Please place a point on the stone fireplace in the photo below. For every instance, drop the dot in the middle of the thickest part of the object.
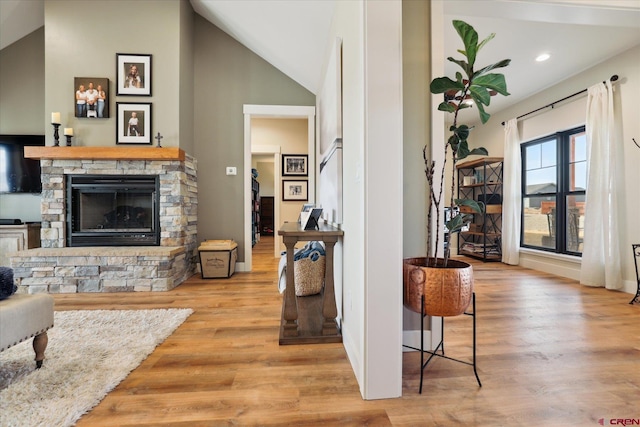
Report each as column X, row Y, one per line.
column 160, row 262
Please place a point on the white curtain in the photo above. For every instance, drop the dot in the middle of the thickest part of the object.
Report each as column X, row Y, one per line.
column 511, row 194
column 601, row 251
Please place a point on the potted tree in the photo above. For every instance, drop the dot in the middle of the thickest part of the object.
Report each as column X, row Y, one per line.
column 449, row 283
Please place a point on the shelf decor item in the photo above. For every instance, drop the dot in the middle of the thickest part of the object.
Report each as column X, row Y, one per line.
column 68, row 132
column 133, row 123
column 55, row 121
column 133, row 72
column 295, row 190
column 91, row 97
column 295, row 165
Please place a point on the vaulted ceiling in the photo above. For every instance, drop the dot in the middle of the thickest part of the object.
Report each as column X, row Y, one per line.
column 292, row 35
column 578, row 34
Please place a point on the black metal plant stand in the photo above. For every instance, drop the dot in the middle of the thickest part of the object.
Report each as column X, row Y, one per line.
column 636, row 255
column 440, row 345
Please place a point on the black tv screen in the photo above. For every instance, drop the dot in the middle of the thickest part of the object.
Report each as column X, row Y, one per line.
column 17, row 174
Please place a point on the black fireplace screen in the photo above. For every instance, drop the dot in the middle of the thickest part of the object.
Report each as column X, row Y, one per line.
column 112, row 210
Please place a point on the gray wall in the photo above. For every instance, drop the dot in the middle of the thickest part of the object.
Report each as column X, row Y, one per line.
column 187, row 16
column 227, row 75
column 416, row 34
column 22, row 86
column 201, row 79
column 21, row 109
column 82, row 39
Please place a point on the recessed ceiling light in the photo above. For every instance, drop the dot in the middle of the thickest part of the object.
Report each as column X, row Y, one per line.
column 543, row 57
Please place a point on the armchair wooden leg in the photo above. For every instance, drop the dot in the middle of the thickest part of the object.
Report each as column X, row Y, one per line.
column 39, row 345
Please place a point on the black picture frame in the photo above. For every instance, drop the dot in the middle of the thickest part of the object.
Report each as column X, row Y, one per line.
column 133, row 74
column 91, row 97
column 295, row 165
column 128, row 132
column 297, row 190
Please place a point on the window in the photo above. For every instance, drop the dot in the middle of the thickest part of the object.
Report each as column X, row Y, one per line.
column 554, row 181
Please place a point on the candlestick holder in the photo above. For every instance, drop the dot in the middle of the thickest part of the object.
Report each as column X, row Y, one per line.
column 68, row 140
column 56, row 135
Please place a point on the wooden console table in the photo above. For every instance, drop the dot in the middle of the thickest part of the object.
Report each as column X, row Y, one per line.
column 309, row 319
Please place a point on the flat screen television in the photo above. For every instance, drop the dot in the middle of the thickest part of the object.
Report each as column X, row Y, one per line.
column 17, row 174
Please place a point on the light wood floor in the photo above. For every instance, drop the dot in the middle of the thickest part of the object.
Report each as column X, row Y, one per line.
column 550, row 353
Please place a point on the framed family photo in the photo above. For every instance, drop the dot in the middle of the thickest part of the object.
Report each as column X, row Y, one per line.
column 295, row 191
column 133, row 123
column 295, row 165
column 91, row 97
column 133, row 73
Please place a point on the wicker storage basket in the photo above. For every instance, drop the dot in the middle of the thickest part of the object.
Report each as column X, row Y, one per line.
column 309, row 275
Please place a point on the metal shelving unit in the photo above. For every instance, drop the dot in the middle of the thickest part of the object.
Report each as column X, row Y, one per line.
column 481, row 180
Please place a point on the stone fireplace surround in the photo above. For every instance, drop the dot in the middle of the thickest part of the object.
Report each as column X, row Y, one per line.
column 54, row 268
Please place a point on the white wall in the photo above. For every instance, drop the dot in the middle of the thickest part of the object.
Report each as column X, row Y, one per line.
column 372, row 184
column 627, row 66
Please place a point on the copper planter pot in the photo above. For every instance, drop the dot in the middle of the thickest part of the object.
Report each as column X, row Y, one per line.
column 447, row 291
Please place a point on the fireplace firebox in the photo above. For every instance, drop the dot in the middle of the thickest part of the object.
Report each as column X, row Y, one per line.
column 109, row 210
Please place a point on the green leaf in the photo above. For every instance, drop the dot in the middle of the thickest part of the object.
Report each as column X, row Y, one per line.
column 462, row 64
column 462, row 132
column 463, row 150
column 480, row 151
column 488, row 68
column 485, row 41
column 492, row 81
column 484, row 116
column 469, row 38
column 475, row 206
column 458, row 222
column 480, row 94
column 453, row 141
column 447, row 107
column 444, row 84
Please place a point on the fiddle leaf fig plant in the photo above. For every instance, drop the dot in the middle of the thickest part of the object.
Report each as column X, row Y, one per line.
column 470, row 87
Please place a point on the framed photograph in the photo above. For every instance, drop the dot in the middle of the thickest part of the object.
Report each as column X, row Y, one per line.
column 133, row 73
column 91, row 97
column 295, row 165
column 133, row 123
column 295, row 191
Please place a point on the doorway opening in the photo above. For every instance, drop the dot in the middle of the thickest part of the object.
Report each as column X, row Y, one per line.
column 252, row 112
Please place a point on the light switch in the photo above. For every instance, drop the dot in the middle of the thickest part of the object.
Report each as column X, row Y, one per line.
column 232, row 170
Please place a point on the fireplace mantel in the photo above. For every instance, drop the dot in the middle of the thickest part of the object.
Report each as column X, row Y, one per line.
column 105, row 153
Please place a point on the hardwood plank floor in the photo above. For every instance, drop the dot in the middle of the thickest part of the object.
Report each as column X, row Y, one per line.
column 550, row 352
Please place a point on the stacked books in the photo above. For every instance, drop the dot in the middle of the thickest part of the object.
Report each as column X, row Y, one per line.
column 480, row 248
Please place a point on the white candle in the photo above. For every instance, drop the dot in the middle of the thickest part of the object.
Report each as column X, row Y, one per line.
column 55, row 118
column 68, row 131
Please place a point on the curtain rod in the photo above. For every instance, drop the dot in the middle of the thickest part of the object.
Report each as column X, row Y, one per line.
column 613, row 79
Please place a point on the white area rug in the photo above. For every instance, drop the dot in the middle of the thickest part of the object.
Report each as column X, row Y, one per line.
column 89, row 353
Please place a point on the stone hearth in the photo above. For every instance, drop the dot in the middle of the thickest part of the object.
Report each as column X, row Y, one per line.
column 100, row 269
column 55, row 268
